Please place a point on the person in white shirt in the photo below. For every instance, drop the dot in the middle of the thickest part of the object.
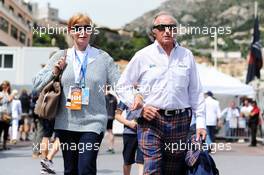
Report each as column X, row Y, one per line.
column 231, row 115
column 169, row 92
column 16, row 115
column 213, row 113
column 246, row 109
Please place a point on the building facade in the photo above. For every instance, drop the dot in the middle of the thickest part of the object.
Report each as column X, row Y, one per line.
column 45, row 12
column 20, row 64
column 16, row 23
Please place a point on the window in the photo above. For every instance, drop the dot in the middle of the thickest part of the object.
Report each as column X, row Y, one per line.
column 6, row 61
column 11, row 9
column 29, row 7
column 22, row 37
column 29, row 24
column 28, row 42
column 21, row 17
column 14, row 31
column 3, row 24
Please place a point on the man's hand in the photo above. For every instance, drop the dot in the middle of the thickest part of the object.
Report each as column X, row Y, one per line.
column 150, row 112
column 219, row 124
column 200, row 133
column 138, row 103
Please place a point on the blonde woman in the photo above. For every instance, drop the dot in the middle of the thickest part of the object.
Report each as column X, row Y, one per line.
column 82, row 121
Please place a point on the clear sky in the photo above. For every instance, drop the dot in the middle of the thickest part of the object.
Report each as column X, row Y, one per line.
column 111, row 13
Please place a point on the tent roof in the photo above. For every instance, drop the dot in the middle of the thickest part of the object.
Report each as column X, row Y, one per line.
column 220, row 83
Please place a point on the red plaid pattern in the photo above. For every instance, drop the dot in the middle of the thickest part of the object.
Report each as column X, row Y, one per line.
column 158, row 137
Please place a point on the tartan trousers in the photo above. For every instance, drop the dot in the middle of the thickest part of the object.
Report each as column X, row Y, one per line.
column 162, row 142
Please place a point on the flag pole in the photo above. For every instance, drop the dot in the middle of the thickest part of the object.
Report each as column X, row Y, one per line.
column 256, row 9
column 258, row 81
column 215, row 51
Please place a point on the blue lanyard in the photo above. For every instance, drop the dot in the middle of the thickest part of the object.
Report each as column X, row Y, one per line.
column 83, row 67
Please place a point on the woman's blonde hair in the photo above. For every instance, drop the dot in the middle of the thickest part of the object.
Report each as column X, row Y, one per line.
column 79, row 18
column 15, row 93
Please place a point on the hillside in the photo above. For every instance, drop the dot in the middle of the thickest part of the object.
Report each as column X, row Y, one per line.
column 237, row 15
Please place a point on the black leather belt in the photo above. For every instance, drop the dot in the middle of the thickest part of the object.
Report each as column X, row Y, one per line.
column 170, row 113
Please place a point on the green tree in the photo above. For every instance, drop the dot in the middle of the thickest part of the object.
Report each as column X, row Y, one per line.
column 45, row 40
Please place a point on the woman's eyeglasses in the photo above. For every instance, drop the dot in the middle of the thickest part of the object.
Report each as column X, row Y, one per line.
column 162, row 27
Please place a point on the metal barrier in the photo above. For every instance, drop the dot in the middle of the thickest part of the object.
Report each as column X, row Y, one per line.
column 236, row 128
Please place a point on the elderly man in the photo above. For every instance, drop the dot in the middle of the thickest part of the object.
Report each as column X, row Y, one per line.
column 169, row 92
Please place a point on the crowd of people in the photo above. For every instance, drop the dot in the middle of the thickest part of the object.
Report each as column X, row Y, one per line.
column 153, row 117
column 16, row 111
column 238, row 121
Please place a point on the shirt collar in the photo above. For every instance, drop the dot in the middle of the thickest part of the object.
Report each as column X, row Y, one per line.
column 156, row 43
column 209, row 97
column 91, row 53
column 88, row 48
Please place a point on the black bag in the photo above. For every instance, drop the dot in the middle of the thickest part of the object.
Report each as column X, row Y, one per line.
column 198, row 161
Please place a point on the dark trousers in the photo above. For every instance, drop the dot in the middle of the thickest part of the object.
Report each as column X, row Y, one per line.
column 253, row 129
column 161, row 141
column 79, row 150
column 211, row 130
column 4, row 127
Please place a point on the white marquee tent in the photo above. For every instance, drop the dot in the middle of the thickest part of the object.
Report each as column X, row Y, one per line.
column 222, row 84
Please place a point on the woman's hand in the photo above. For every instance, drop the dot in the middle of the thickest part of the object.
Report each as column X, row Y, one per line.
column 132, row 124
column 59, row 66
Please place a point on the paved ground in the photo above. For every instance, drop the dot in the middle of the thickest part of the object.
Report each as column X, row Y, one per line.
column 240, row 160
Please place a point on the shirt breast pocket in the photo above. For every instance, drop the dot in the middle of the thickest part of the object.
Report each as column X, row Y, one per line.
column 180, row 77
column 152, row 74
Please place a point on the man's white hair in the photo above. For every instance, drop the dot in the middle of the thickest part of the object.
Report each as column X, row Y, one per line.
column 163, row 13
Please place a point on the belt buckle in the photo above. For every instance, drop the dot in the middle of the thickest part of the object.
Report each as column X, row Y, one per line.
column 167, row 113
